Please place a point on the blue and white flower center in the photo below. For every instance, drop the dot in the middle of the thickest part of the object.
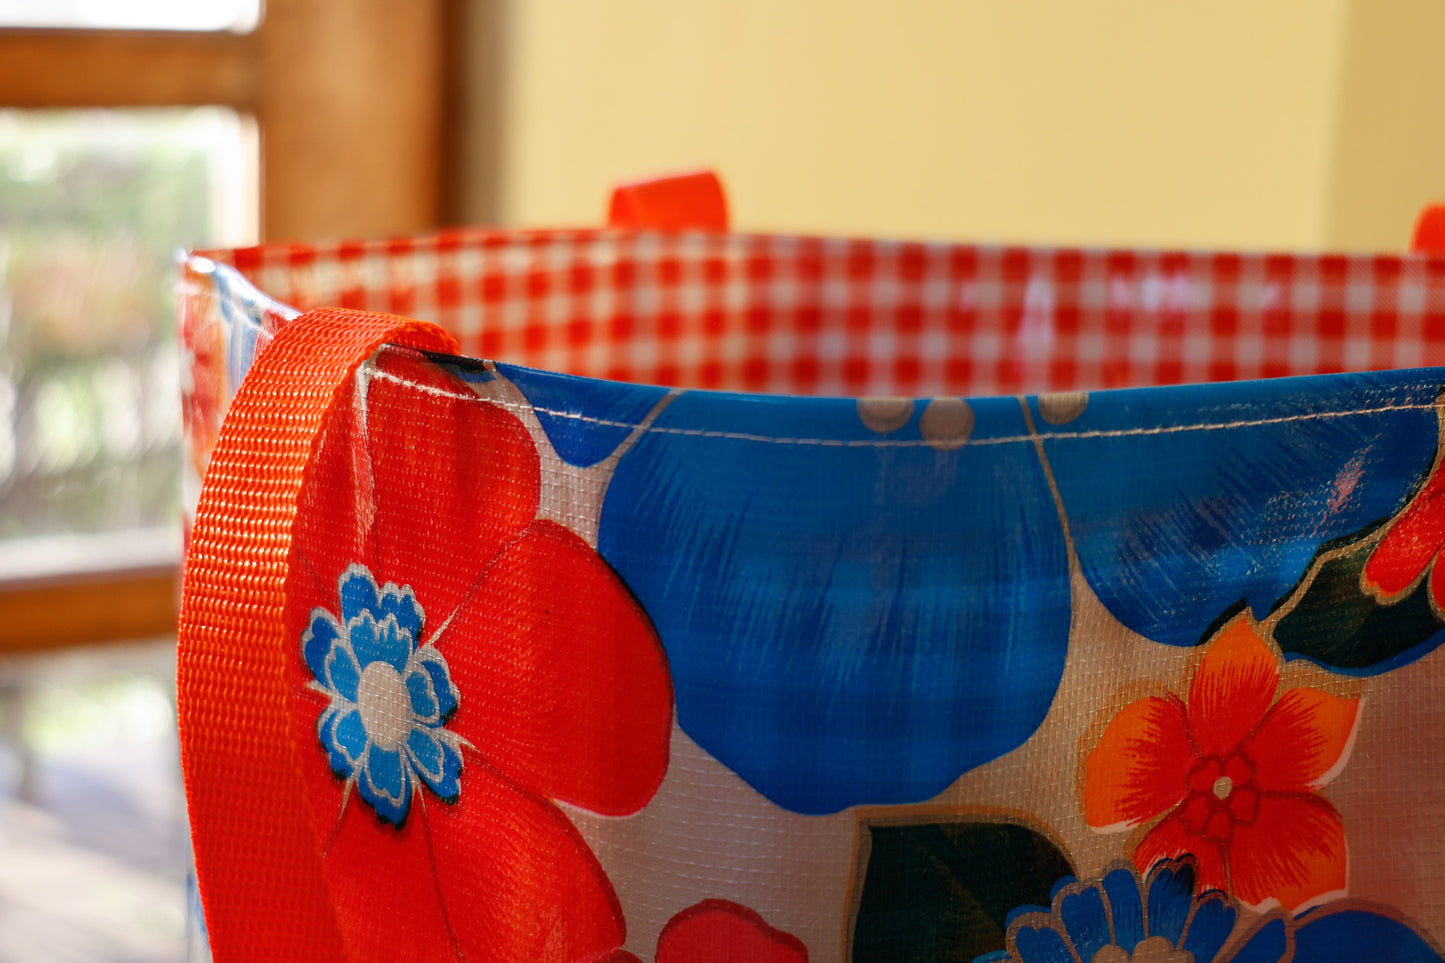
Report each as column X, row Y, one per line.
column 386, row 712
column 384, row 730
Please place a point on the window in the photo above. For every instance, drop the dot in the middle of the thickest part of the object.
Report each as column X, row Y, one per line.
column 350, row 102
column 126, row 130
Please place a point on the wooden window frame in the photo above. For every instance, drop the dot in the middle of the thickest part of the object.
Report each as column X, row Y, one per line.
column 355, row 103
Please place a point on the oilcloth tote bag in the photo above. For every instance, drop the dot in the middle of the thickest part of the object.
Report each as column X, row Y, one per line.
column 670, row 594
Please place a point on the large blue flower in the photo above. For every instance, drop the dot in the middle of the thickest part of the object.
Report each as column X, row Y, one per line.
column 850, row 617
column 1182, row 502
column 390, row 697
column 886, row 599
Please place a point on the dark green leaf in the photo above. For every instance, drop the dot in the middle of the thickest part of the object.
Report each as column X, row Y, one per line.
column 1335, row 624
column 943, row 891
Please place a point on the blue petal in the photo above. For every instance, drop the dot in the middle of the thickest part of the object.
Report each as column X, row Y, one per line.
column 1351, row 935
column 401, row 603
column 1175, row 523
column 358, row 592
column 426, row 752
column 1061, row 884
column 1024, row 910
column 386, row 771
column 386, row 783
column 1171, row 892
column 445, row 692
column 350, row 733
column 317, row 641
column 884, row 618
column 344, row 737
column 343, row 675
column 423, row 697
column 1126, row 907
column 1083, row 916
column 374, row 641
column 436, row 762
column 1042, row 945
column 1268, row 944
column 1213, row 921
column 584, row 420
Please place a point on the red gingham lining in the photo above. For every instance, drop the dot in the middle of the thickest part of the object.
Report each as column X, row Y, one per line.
column 866, row 317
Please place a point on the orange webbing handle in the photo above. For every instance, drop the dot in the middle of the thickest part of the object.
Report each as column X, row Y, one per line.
column 1429, row 236
column 258, row 862
column 677, row 202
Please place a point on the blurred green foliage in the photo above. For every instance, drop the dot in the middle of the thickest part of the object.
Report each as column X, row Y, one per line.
column 94, row 206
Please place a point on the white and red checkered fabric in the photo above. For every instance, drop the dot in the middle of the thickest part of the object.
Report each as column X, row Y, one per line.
column 867, row 317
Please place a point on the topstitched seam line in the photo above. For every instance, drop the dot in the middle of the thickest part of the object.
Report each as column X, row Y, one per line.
column 903, row 443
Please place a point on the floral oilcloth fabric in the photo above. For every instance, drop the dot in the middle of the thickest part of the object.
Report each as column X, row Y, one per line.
column 843, row 600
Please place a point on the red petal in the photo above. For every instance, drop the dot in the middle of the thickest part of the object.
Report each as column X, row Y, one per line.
column 1411, row 542
column 205, row 353
column 717, row 931
column 425, row 487
column 329, row 532
column 518, row 880
column 1170, row 840
column 380, row 878
column 1140, row 768
column 498, row 877
column 564, row 685
column 384, row 887
column 1437, row 587
column 1293, row 852
column 456, row 479
column 1303, row 741
column 1232, row 689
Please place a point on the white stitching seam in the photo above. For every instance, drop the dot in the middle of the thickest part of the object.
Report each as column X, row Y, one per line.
column 902, row 443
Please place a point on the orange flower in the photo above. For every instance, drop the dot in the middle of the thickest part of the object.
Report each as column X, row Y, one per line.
column 1233, row 773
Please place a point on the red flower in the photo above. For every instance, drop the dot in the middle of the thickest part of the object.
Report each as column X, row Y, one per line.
column 530, row 656
column 718, row 931
column 1233, row 773
column 203, row 370
column 1410, row 548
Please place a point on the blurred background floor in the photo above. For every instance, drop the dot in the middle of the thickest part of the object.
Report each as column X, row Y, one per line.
column 92, row 818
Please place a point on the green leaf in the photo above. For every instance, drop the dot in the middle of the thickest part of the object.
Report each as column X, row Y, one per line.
column 943, row 891
column 1330, row 620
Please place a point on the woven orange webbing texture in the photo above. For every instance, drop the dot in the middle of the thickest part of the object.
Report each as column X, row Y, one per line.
column 239, row 765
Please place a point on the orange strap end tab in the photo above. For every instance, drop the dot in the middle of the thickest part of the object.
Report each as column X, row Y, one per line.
column 258, row 859
column 1429, row 235
column 693, row 200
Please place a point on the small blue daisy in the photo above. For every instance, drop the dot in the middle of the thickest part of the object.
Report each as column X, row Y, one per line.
column 390, row 697
column 1119, row 918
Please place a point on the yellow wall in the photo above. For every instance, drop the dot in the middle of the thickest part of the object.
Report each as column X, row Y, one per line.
column 1388, row 152
column 1224, row 123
